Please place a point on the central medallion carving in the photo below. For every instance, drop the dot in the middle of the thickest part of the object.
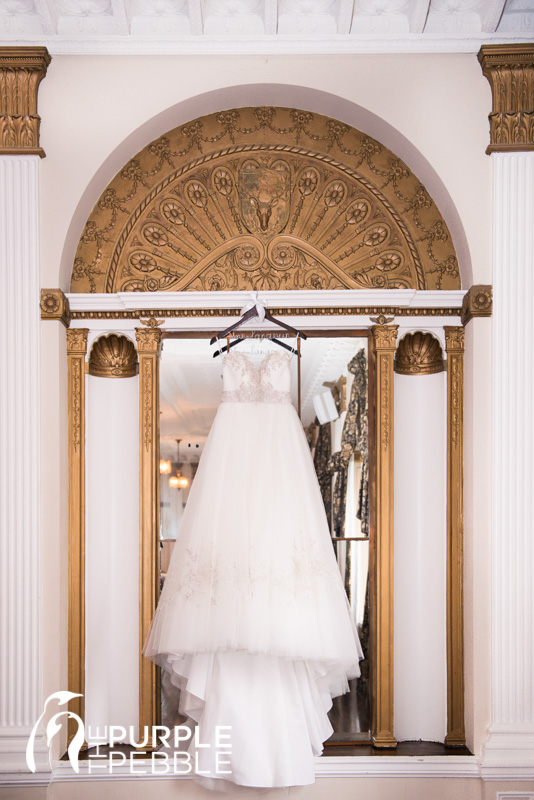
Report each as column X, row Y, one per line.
column 263, row 191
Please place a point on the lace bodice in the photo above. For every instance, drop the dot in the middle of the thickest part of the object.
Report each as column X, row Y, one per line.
column 245, row 383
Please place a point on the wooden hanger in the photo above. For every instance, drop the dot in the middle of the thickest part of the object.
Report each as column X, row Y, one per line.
column 250, row 314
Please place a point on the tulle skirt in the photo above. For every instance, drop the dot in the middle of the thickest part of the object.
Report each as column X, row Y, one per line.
column 253, row 623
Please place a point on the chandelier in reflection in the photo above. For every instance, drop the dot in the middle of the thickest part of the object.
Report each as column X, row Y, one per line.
column 178, row 481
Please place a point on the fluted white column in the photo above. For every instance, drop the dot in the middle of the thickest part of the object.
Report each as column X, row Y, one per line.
column 20, row 652
column 420, row 557
column 509, row 750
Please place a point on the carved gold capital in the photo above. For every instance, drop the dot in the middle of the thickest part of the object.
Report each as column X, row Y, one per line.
column 454, row 338
column 113, row 356
column 21, row 71
column 478, row 302
column 148, row 340
column 384, row 336
column 418, row 354
column 54, row 305
column 77, row 341
column 509, row 69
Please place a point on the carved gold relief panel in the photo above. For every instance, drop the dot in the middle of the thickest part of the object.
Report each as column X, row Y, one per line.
column 264, row 198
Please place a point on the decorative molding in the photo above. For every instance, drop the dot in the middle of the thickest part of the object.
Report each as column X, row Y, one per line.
column 55, row 305
column 113, row 356
column 454, row 342
column 149, row 350
column 264, row 199
column 478, row 302
column 419, row 354
column 382, row 320
column 21, row 71
column 384, row 342
column 147, row 303
column 309, row 311
column 509, row 69
column 152, row 322
column 76, row 351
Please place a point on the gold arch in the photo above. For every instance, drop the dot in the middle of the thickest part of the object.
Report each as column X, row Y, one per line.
column 264, row 198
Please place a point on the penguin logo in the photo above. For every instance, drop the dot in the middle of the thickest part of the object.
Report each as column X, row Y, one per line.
column 54, row 727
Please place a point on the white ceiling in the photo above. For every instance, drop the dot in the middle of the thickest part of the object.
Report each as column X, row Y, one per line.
column 264, row 26
column 191, row 385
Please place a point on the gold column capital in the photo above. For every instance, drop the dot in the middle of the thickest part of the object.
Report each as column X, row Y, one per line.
column 509, row 69
column 384, row 336
column 77, row 341
column 148, row 340
column 477, row 302
column 454, row 338
column 21, row 71
column 55, row 305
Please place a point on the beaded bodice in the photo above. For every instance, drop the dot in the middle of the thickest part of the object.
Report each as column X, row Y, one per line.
column 245, row 383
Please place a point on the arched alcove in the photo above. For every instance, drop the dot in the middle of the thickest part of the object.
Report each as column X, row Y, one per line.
column 264, row 198
column 287, row 95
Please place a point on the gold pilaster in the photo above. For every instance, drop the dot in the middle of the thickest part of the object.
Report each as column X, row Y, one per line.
column 76, row 350
column 384, row 341
column 21, row 71
column 148, row 348
column 454, row 339
column 509, row 69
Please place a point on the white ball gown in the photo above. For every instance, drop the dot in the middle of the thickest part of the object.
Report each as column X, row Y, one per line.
column 253, row 623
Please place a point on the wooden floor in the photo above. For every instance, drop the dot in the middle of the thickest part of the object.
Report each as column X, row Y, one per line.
column 402, row 749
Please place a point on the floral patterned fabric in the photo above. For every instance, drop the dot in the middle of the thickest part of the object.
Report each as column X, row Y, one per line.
column 323, row 450
column 354, row 438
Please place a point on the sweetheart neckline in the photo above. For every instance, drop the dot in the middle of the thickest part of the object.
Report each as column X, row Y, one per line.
column 262, row 362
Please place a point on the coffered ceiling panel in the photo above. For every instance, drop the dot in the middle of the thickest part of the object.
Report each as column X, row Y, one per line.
column 182, row 26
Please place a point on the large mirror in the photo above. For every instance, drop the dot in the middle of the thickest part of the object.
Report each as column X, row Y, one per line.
column 333, row 383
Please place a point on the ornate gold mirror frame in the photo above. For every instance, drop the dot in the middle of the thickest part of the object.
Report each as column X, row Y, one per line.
column 382, row 360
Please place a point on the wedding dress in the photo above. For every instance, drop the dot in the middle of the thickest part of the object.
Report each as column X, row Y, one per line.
column 253, row 623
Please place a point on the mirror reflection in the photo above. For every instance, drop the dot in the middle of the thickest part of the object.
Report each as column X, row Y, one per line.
column 334, row 413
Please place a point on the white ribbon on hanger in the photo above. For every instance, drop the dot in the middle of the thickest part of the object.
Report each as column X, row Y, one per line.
column 260, row 307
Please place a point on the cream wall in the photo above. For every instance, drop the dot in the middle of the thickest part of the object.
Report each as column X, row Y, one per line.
column 431, row 110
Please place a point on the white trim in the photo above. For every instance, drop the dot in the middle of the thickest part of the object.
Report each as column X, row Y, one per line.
column 263, row 45
column 11, row 780
column 326, row 767
column 344, row 298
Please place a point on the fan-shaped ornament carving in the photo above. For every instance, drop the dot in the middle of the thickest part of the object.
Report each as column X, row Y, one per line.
column 113, row 357
column 419, row 354
column 264, row 199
